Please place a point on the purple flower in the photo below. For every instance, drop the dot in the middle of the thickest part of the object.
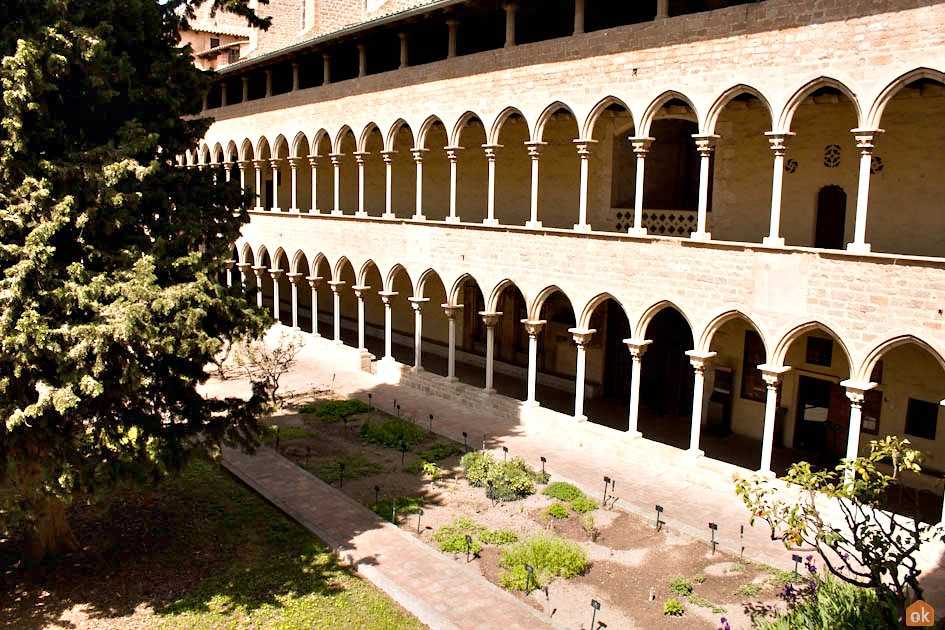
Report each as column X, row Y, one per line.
column 809, row 563
column 724, row 625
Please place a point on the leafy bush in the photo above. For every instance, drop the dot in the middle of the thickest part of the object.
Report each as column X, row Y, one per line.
column 673, row 607
column 583, row 504
column 557, row 510
column 476, row 465
column 356, row 467
column 826, row 603
column 748, row 590
column 680, row 586
column 550, row 556
column 783, row 578
column 392, row 433
column 498, row 536
column 286, row 434
column 335, row 410
column 563, row 491
column 452, row 538
column 702, row 602
column 439, row 451
column 510, row 480
column 589, row 527
column 405, row 506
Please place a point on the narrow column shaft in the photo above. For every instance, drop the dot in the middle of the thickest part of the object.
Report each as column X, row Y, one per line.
column 705, row 145
column 274, row 164
column 641, row 146
column 699, row 361
column 313, row 282
column 864, row 142
column 388, row 183
column 336, row 168
column 490, row 150
column 313, row 162
column 778, row 148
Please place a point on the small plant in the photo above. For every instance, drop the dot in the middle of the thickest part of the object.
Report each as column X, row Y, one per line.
column 509, row 480
column 823, row 602
column 498, row 537
column 439, row 451
column 748, row 590
column 583, row 504
column 286, row 434
column 702, row 602
column 557, row 510
column 550, row 556
column 699, row 579
column 431, row 470
column 392, row 433
column 335, row 410
column 356, row 466
column 673, row 607
column 562, row 491
column 680, row 586
column 589, row 527
column 405, row 506
column 452, row 538
column 783, row 578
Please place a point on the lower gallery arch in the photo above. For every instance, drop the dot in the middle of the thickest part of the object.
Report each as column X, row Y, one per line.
column 373, row 310
column 435, row 340
column 607, row 384
column 402, row 317
column 470, row 332
column 510, row 349
column 280, row 277
column 348, row 303
column 303, row 292
column 325, row 307
column 555, row 365
column 666, row 380
column 264, row 281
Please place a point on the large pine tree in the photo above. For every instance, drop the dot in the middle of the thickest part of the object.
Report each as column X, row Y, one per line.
column 110, row 257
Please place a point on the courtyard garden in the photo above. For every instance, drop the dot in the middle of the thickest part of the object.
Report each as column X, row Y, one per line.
column 541, row 538
column 197, row 551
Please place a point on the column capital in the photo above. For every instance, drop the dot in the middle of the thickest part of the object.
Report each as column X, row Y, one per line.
column 700, row 360
column 359, row 290
column 778, row 141
column 388, row 156
column 230, row 263
column 705, row 143
column 452, row 22
column 294, row 277
column 490, row 318
column 360, row 155
column 533, row 326
column 336, row 285
column 244, row 266
column 641, row 144
column 856, row 390
column 637, row 347
column 244, row 164
column 490, row 150
column 314, row 281
column 534, row 148
column 387, row 296
column 582, row 336
column 865, row 139
column 259, row 270
column 451, row 310
column 417, row 302
column 296, row 161
column 335, row 158
column 274, row 162
column 276, row 273
column 772, row 374
column 584, row 146
column 417, row 153
column 260, row 163
column 509, row 6
column 313, row 160
column 452, row 152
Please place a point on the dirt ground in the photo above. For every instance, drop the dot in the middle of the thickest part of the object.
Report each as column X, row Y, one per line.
column 631, row 563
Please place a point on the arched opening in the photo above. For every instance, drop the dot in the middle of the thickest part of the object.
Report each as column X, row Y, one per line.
column 733, row 425
column 822, row 160
column 285, row 289
column 262, row 175
column 304, row 290
column 741, row 180
column 325, row 310
column 513, row 171
column 436, row 172
column 471, row 172
column 671, row 178
column 283, row 195
column 613, row 169
column 402, row 318
column 666, row 380
column 303, row 175
column 558, row 190
column 264, row 279
column 470, row 332
column 324, row 177
column 349, row 303
column 435, row 339
column 906, row 211
column 608, row 366
column 375, row 178
column 348, row 184
column 231, row 276
column 556, row 354
column 404, row 173
column 906, row 403
column 373, row 309
column 511, row 342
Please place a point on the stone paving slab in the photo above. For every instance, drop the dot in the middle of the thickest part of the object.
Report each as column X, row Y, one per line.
column 440, row 592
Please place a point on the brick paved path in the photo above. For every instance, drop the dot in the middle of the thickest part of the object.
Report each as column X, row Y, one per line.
column 440, row 592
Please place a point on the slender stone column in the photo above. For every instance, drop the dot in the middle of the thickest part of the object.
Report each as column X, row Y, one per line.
column 856, row 393
column 229, row 272
column 641, row 146
column 387, row 297
column 582, row 337
column 313, row 282
column 451, row 312
column 510, row 8
column 403, row 50
column 452, row 25
column 276, row 275
column 662, row 9
column 259, row 270
column 313, row 162
column 417, row 305
column 705, row 145
column 275, row 186
column 359, row 158
column 490, row 319
column 490, row 150
column 699, row 361
column 418, row 158
column 294, row 163
column 578, row 17
column 778, row 142
column 336, row 168
column 243, row 165
column 268, row 83
column 772, row 377
column 362, row 60
column 359, row 292
column 244, row 273
column 534, row 152
column 637, row 348
column 259, row 199
column 295, row 77
column 388, row 157
column 227, row 172
column 245, row 89
column 336, row 307
column 452, row 154
column 326, row 69
column 584, row 152
column 294, row 279
column 533, row 328
column 864, row 142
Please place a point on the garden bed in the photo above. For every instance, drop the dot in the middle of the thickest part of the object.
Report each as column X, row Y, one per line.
column 630, row 566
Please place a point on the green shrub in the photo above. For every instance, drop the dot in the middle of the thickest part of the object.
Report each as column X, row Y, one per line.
column 335, row 410
column 680, row 586
column 557, row 510
column 498, row 536
column 748, row 590
column 286, row 434
column 550, row 556
column 405, row 506
column 452, row 538
column 583, row 504
column 439, row 451
column 702, row 602
column 563, row 491
column 828, row 604
column 392, row 433
column 783, row 578
column 510, row 480
column 476, row 465
column 673, row 607
column 356, row 467
column 589, row 527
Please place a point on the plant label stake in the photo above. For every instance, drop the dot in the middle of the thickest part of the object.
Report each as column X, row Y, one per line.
column 465, row 442
column 797, row 559
column 396, row 406
column 606, row 486
column 659, row 522
column 377, row 494
column 431, row 423
column 468, row 546
column 370, row 402
column 543, row 461
column 308, row 454
column 398, row 411
column 741, row 538
column 277, row 438
column 529, row 571
column 403, row 452
column 505, row 453
column 595, row 606
column 419, row 514
column 393, row 510
column 713, row 527
column 341, row 474
column 490, row 492
column 483, row 441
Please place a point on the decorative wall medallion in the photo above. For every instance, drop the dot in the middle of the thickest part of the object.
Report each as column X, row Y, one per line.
column 832, row 155
column 876, row 164
column 791, row 165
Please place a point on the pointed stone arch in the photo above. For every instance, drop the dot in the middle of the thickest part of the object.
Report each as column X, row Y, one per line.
column 546, row 115
column 786, row 116
column 392, row 274
column 366, row 134
column 875, row 115
column 778, row 354
column 715, row 110
column 865, row 369
column 587, row 129
column 493, row 300
column 425, row 128
column 247, row 150
column 648, row 314
column 300, row 145
column 461, row 124
column 718, row 321
column 501, row 119
column 649, row 115
column 395, row 129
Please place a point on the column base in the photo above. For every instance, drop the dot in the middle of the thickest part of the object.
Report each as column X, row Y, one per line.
column 452, row 219
column 492, row 222
column 336, row 213
column 360, row 214
column 314, row 211
column 275, row 209
column 637, row 231
column 701, row 236
column 580, row 418
column 858, row 248
column 294, row 210
column 388, row 215
column 416, row 368
column 633, row 435
column 582, row 227
column 490, row 391
column 695, row 453
column 338, row 342
column 531, row 404
column 773, row 241
column 452, row 379
column 535, row 225
column 767, row 474
column 258, row 209
column 316, row 335
column 418, row 217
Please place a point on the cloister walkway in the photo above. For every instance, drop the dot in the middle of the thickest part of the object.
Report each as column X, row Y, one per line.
column 693, row 491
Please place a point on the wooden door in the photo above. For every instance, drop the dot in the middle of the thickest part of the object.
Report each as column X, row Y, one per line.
column 831, row 218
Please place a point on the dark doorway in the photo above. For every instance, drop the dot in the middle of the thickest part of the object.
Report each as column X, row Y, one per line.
column 831, row 218
column 823, row 420
column 667, row 378
column 617, row 359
